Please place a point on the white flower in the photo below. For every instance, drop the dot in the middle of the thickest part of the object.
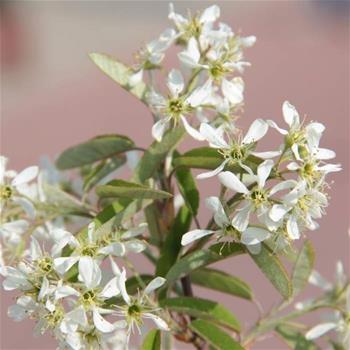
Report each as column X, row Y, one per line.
column 255, row 200
column 13, row 186
column 152, row 55
column 11, row 232
column 177, row 105
column 138, row 308
column 251, row 237
column 235, row 151
column 95, row 246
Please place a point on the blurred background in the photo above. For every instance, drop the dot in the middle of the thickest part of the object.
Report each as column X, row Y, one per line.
column 54, row 97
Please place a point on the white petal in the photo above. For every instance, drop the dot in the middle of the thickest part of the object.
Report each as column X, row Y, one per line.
column 25, row 176
column 254, row 235
column 175, row 82
column 210, row 14
column 282, row 186
column 101, row 324
column 192, row 131
column 267, row 155
column 114, row 266
column 110, row 289
column 122, row 288
column 233, row 90
column 273, row 125
column 324, row 154
column 293, row 228
column 241, row 219
column 248, row 41
column 3, row 163
column 320, row 330
column 160, row 323
column 213, row 136
column 27, row 206
column 190, row 57
column 257, row 130
column 135, row 246
column 214, row 172
column 191, row 236
column 277, row 212
column 44, row 289
column 116, row 249
column 154, row 284
column 317, row 280
column 159, row 128
column 89, row 272
column 232, row 182
column 35, row 250
column 65, row 291
column 90, row 231
column 78, row 316
column 220, row 217
column 62, row 265
column 17, row 313
column 290, row 114
column 264, row 170
column 295, row 150
column 200, row 95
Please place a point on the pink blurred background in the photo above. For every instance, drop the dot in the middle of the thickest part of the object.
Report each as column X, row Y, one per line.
column 54, row 97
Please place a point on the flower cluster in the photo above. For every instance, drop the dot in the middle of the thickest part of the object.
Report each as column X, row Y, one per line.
column 66, row 252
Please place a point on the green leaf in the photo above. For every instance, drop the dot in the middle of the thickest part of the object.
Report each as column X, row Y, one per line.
column 98, row 148
column 219, row 339
column 102, row 170
column 209, row 158
column 203, row 309
column 119, row 72
column 303, row 267
column 294, row 339
column 152, row 340
column 155, row 223
column 63, row 203
column 156, row 154
column 222, row 282
column 273, row 269
column 202, row 258
column 172, row 245
column 126, row 189
column 188, row 189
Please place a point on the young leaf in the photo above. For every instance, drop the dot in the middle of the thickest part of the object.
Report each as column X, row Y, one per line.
column 215, row 336
column 62, row 202
column 273, row 269
column 294, row 338
column 188, row 189
column 172, row 244
column 152, row 340
column 102, row 170
column 203, row 309
column 303, row 267
column 98, row 148
column 209, row 158
column 126, row 189
column 119, row 72
column 156, row 154
column 202, row 258
column 222, row 282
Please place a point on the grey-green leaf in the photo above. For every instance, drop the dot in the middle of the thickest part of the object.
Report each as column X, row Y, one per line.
column 172, row 245
column 222, row 282
column 274, row 270
column 303, row 267
column 98, row 148
column 202, row 258
column 126, row 189
column 188, row 188
column 215, row 336
column 156, row 154
column 294, row 338
column 152, row 340
column 100, row 171
column 203, row 309
column 119, row 72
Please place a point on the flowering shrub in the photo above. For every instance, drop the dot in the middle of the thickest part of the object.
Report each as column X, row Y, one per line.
column 66, row 244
